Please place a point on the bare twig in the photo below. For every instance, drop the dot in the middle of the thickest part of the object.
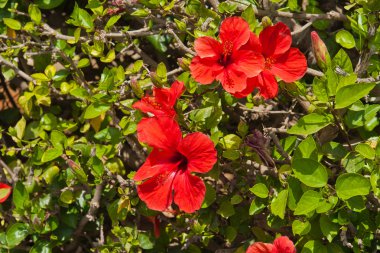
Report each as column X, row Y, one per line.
column 332, row 15
column 9, row 171
column 180, row 43
column 90, row 216
column 303, row 28
column 17, row 70
column 214, row 4
column 264, row 170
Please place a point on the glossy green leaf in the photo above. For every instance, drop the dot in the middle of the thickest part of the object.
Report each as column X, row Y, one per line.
column 351, row 184
column 310, row 172
column 310, row 124
column 349, row 94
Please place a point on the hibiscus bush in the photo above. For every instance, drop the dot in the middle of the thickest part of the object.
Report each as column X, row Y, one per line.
column 190, row 126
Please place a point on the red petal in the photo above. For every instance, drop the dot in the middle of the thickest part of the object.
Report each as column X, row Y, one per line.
column 207, row 47
column 168, row 96
column 5, row 191
column 266, row 83
column 275, row 39
column 283, row 245
column 233, row 81
column 290, row 66
column 156, row 162
column 248, row 90
column 159, row 132
column 199, row 151
column 189, row 191
column 144, row 106
column 205, row 70
column 156, row 192
column 235, row 30
column 260, row 247
column 253, row 44
column 248, row 62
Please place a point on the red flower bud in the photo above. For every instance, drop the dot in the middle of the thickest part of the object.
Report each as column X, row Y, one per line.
column 320, row 51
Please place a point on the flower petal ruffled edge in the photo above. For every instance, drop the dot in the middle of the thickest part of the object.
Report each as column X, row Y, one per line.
column 189, row 191
column 199, row 151
column 275, row 39
column 235, row 30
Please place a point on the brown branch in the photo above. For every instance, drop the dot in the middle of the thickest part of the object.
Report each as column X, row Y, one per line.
column 180, row 43
column 17, row 70
column 90, row 216
column 214, row 4
column 332, row 15
column 9, row 171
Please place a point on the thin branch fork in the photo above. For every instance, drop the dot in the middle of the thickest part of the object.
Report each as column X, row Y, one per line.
column 332, row 15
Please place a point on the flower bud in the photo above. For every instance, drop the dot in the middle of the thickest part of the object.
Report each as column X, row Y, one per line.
column 136, row 88
column 184, row 63
column 320, row 51
column 266, row 21
column 156, row 80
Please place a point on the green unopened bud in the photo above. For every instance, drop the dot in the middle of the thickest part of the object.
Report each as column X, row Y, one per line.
column 320, row 51
column 266, row 21
column 156, row 80
column 184, row 63
column 136, row 88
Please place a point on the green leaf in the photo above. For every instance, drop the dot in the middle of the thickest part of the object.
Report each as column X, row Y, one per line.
column 41, row 247
column 20, row 196
column 257, row 206
column 95, row 109
column 260, row 190
column 16, row 233
column 365, row 150
column 230, row 141
column 310, row 124
column 314, row 247
column 226, row 209
column 109, row 57
column 328, row 228
column 342, row 60
column 3, row 3
column 310, row 172
column 85, row 62
column 351, row 184
column 249, row 16
column 210, row 196
column 67, row 196
column 278, row 204
column 20, row 128
column 34, row 13
column 51, row 154
column 161, row 71
column 12, row 23
column 309, row 201
column 301, row 228
column 145, row 242
column 345, row 39
column 48, row 4
column 349, row 94
column 112, row 21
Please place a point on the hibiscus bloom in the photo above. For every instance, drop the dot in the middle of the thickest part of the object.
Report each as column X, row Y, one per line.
column 5, row 191
column 280, row 245
column 167, row 170
column 281, row 60
column 226, row 61
column 163, row 100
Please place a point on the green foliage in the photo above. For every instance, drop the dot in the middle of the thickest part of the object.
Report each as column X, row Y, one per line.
column 70, row 148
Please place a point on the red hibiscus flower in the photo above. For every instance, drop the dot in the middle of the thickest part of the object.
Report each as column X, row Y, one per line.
column 5, row 191
column 226, row 61
column 280, row 245
column 163, row 100
column 168, row 167
column 282, row 60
